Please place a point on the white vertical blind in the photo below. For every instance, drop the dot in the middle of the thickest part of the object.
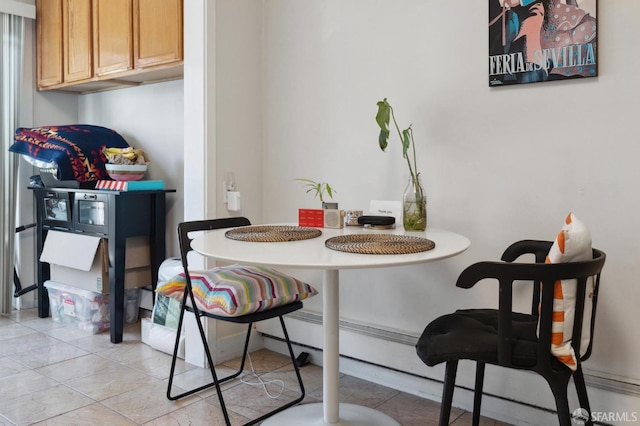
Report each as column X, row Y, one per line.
column 12, row 33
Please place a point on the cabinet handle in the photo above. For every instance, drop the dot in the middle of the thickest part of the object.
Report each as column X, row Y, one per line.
column 90, row 197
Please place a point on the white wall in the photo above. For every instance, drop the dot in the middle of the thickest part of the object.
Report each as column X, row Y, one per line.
column 149, row 117
column 222, row 121
column 499, row 164
column 239, row 106
column 223, row 105
column 19, row 7
column 37, row 109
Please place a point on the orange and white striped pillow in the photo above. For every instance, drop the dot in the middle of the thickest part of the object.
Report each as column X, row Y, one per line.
column 573, row 244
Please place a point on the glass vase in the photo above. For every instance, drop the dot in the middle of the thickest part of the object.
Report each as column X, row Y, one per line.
column 414, row 206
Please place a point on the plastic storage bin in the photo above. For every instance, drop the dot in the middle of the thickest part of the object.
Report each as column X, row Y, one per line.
column 87, row 309
column 131, row 305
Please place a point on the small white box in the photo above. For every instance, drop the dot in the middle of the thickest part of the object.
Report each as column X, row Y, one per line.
column 160, row 337
column 146, row 298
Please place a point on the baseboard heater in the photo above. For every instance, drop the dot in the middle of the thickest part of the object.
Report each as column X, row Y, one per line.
column 397, row 336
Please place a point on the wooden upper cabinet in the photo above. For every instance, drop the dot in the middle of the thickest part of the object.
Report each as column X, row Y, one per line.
column 157, row 32
column 112, row 39
column 49, row 42
column 77, row 40
column 90, row 45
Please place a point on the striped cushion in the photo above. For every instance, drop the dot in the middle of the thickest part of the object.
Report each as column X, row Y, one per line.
column 239, row 290
column 573, row 244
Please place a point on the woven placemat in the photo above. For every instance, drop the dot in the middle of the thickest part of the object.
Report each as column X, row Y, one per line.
column 272, row 233
column 379, row 244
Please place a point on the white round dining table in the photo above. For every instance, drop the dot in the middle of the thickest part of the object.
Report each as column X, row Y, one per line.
column 313, row 254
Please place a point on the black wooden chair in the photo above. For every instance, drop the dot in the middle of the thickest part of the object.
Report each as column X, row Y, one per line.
column 184, row 229
column 509, row 339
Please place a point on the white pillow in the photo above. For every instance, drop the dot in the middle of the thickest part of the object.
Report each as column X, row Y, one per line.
column 573, row 244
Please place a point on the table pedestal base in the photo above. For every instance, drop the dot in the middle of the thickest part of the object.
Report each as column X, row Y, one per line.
column 312, row 414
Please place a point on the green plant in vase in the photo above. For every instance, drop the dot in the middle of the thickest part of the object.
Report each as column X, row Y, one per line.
column 318, row 189
column 414, row 200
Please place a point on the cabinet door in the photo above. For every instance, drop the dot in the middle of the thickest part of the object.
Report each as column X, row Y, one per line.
column 49, row 42
column 157, row 32
column 77, row 40
column 113, row 40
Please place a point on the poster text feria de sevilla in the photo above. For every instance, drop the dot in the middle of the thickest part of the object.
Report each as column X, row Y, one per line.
column 541, row 40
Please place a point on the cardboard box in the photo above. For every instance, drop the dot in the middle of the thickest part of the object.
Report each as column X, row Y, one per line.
column 83, row 261
column 138, row 253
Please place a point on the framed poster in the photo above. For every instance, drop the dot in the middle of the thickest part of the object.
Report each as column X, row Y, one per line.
column 541, row 40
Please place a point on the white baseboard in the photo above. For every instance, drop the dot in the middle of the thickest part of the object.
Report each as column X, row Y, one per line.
column 426, row 388
column 509, row 394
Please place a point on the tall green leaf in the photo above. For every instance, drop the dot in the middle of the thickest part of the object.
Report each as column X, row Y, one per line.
column 382, row 118
column 406, row 141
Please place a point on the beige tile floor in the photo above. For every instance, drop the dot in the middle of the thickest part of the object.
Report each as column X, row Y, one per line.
column 51, row 374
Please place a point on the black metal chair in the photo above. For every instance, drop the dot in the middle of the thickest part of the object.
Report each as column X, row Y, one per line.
column 508, row 339
column 184, row 229
column 18, row 289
